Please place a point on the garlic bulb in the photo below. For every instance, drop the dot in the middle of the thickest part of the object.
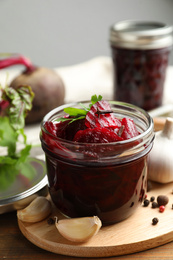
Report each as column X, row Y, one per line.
column 78, row 229
column 160, row 164
column 37, row 210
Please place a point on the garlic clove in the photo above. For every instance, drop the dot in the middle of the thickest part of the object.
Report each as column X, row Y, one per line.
column 78, row 229
column 36, row 211
column 160, row 163
column 168, row 128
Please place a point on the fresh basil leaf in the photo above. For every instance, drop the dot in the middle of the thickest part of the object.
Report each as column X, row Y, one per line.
column 70, row 119
column 84, row 107
column 95, row 99
column 75, row 111
column 77, row 118
column 63, row 119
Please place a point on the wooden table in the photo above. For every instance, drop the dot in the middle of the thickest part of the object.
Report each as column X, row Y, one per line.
column 13, row 245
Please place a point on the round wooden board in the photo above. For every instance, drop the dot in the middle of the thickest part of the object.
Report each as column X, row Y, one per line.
column 131, row 235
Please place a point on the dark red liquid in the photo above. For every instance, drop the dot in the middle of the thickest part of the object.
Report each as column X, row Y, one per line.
column 110, row 192
column 139, row 76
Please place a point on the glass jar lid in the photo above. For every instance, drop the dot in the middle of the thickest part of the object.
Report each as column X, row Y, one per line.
column 141, row 35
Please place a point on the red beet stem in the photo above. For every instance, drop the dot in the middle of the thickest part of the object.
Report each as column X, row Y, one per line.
column 17, row 60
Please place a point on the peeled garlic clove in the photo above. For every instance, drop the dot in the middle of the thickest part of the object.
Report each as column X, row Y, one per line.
column 78, row 229
column 36, row 211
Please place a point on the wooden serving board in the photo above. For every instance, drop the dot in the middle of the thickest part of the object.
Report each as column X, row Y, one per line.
column 131, row 235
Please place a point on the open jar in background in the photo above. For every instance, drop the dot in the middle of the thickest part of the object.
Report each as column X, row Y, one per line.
column 140, row 52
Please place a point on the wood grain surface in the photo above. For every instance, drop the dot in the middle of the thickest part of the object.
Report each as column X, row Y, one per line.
column 159, row 123
column 14, row 246
column 131, row 235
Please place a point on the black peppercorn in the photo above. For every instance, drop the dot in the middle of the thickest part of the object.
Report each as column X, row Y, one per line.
column 146, row 202
column 152, row 198
column 155, row 221
column 154, row 205
column 50, row 221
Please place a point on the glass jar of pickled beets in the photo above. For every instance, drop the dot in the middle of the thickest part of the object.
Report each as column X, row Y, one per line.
column 103, row 179
column 140, row 52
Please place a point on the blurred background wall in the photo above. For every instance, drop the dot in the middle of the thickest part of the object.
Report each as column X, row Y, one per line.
column 57, row 33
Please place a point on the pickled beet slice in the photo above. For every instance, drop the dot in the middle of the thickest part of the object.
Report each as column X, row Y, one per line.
column 60, row 129
column 72, row 128
column 100, row 116
column 52, row 143
column 96, row 135
column 130, row 129
column 51, row 127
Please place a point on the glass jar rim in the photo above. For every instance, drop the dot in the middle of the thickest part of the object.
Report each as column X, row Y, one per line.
column 102, row 153
column 53, row 112
column 141, row 34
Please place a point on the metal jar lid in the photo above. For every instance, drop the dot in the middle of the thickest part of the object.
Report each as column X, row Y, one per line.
column 141, row 35
column 23, row 190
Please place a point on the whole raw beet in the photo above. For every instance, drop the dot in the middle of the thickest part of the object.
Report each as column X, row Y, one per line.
column 48, row 88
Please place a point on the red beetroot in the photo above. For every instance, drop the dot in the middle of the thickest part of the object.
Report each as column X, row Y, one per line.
column 95, row 118
column 96, row 135
column 46, row 84
column 72, row 128
column 51, row 127
column 99, row 126
column 52, row 142
column 130, row 130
